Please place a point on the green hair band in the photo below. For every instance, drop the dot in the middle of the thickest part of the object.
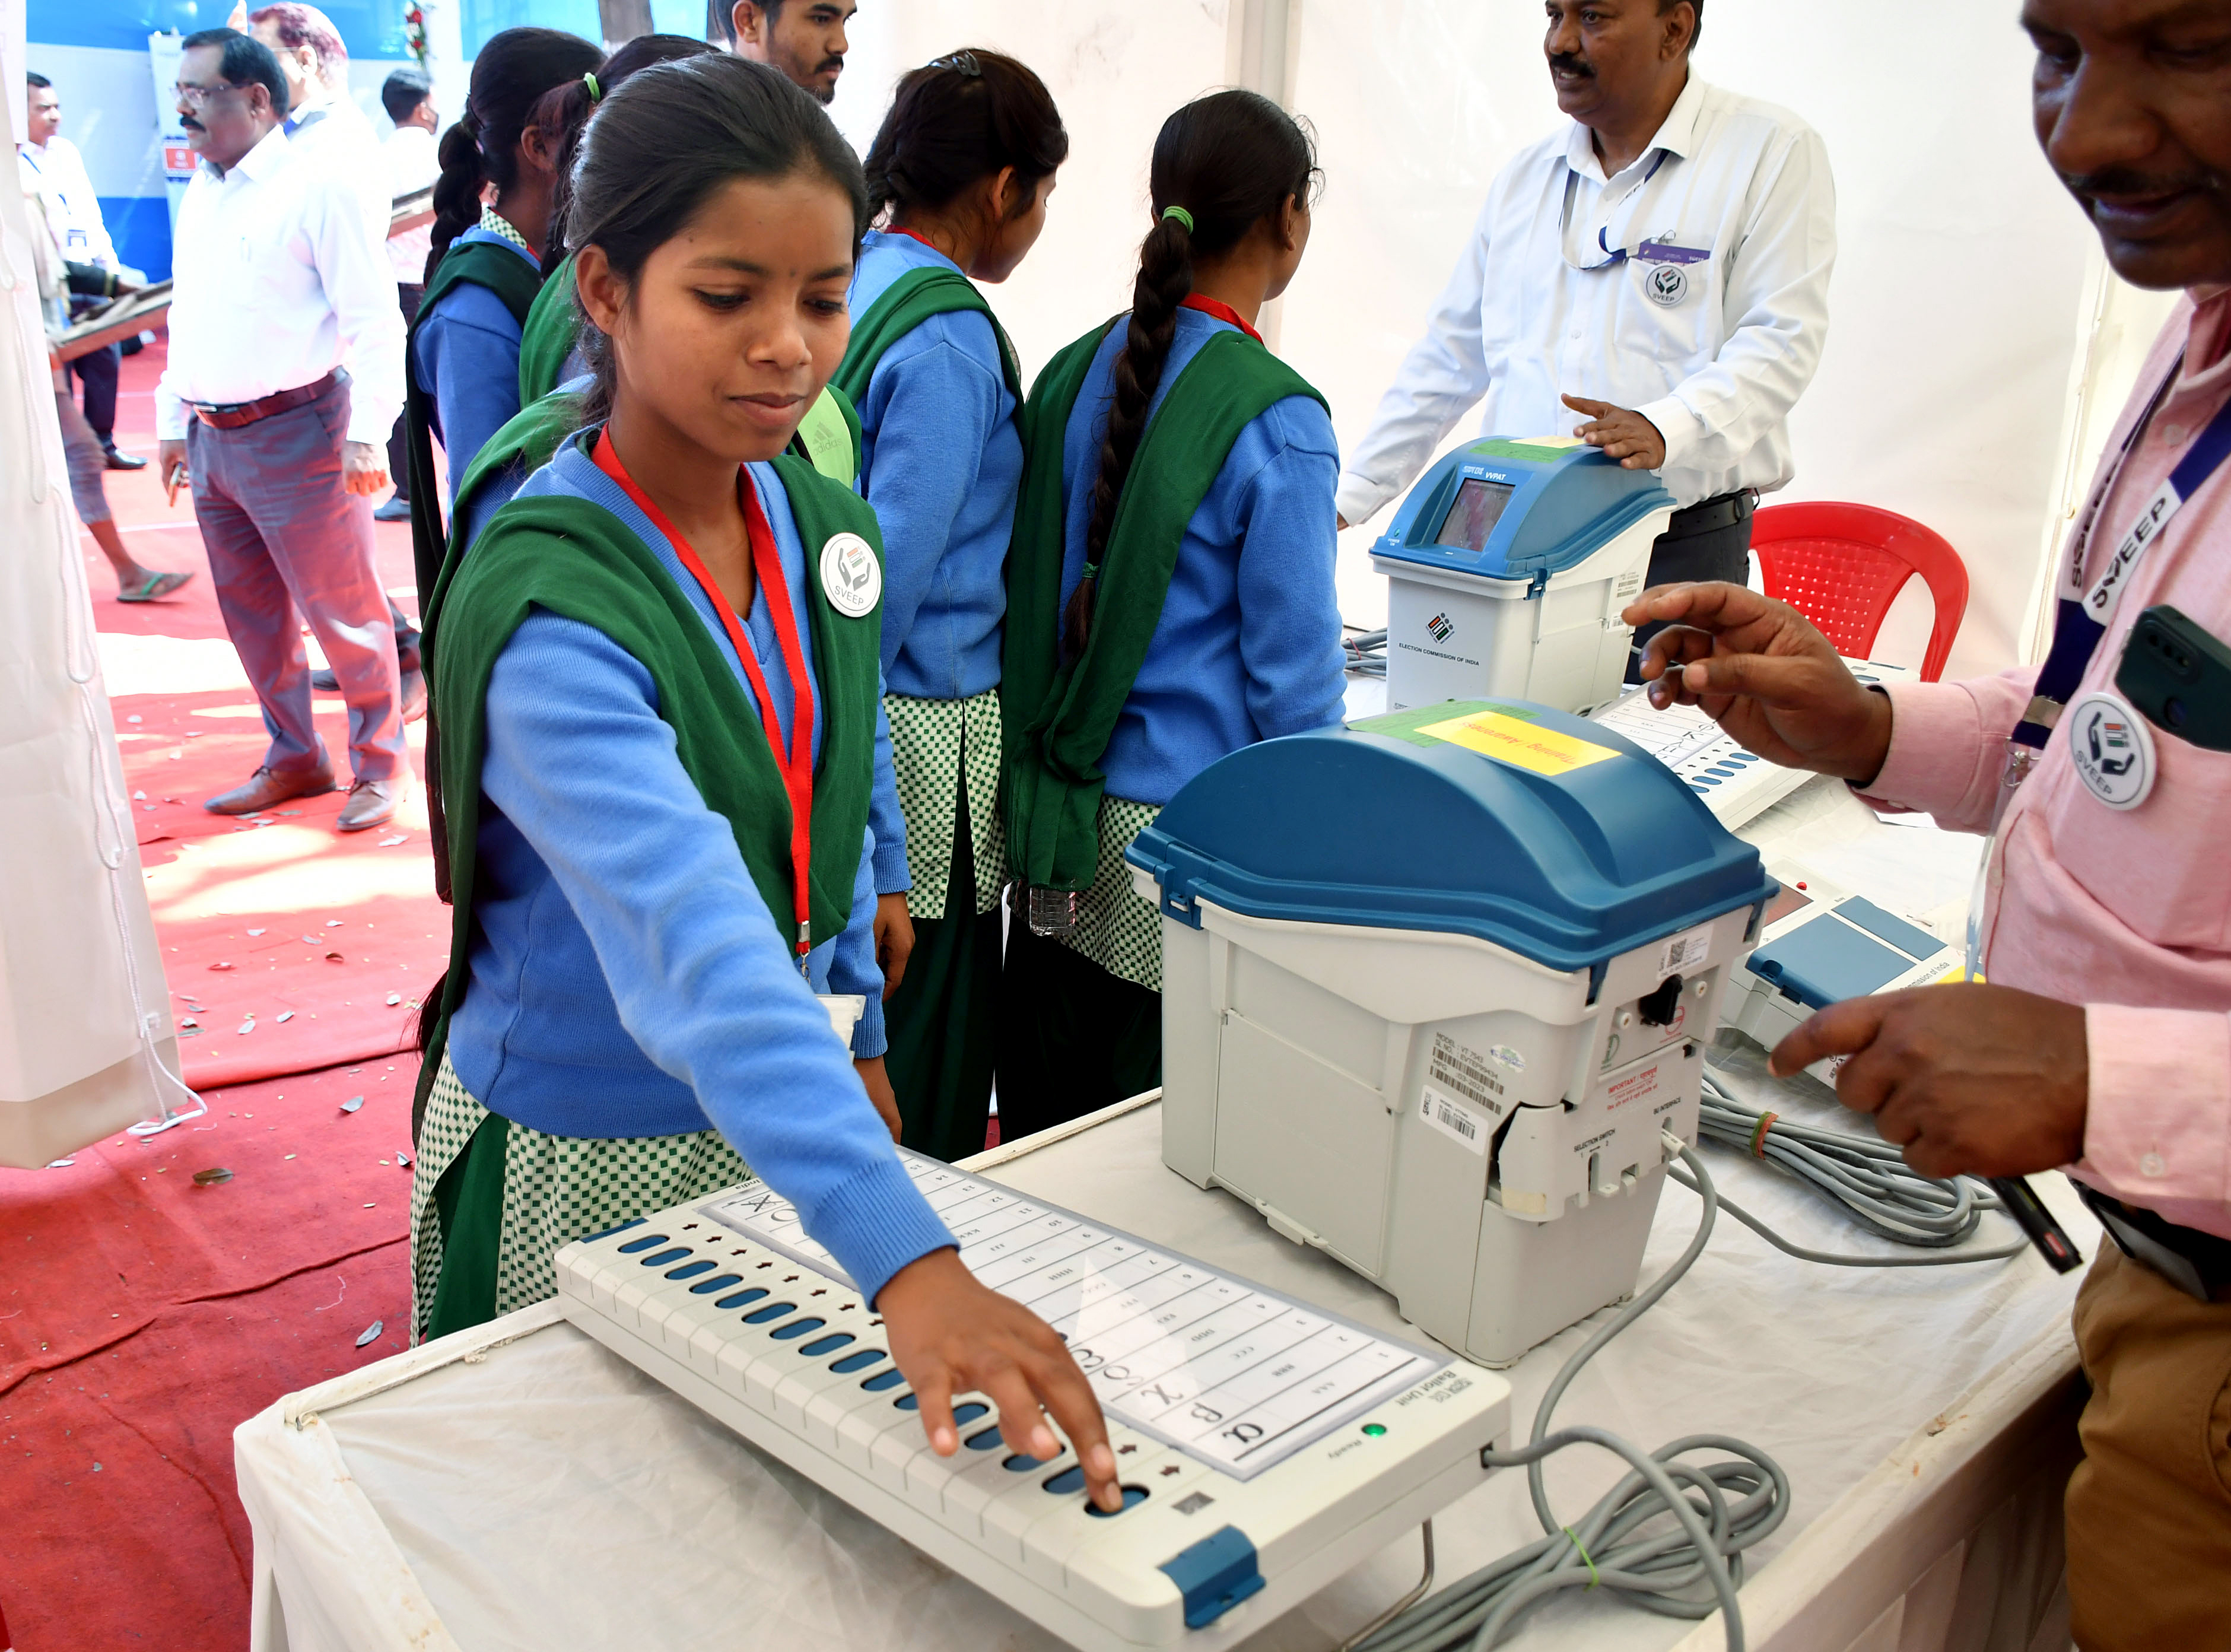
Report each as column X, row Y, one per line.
column 1180, row 215
column 596, row 92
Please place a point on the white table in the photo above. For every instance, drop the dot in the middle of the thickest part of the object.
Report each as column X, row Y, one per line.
column 518, row 1486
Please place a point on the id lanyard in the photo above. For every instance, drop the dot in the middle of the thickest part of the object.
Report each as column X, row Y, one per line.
column 2081, row 621
column 797, row 764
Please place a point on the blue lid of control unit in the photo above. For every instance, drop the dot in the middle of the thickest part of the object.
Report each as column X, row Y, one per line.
column 1507, row 510
column 1539, row 831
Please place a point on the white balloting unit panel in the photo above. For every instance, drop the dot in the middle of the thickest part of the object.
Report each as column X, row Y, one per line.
column 1264, row 1446
column 1735, row 784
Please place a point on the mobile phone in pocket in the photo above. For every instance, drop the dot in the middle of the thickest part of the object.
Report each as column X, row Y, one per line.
column 2178, row 678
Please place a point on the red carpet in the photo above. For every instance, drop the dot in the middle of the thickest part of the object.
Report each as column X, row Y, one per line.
column 142, row 1317
column 289, row 918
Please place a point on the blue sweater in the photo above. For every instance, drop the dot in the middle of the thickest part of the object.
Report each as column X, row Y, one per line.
column 466, row 355
column 941, row 463
column 626, row 976
column 885, row 818
column 1248, row 646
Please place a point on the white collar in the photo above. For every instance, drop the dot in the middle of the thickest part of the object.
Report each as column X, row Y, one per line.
column 1676, row 135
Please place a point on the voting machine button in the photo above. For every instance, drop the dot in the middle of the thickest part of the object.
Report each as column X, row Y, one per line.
column 734, row 1364
column 826, row 1411
column 862, row 1426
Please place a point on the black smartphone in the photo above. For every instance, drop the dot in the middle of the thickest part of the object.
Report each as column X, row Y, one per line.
column 2178, row 677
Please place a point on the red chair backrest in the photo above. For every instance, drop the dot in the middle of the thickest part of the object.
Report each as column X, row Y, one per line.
column 1841, row 566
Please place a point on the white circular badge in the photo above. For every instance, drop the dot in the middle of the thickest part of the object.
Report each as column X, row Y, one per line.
column 2112, row 750
column 850, row 577
column 1667, row 284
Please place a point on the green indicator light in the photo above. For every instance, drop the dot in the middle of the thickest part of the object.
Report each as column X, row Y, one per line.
column 1374, row 1429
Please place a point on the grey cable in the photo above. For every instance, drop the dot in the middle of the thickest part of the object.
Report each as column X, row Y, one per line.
column 1719, row 1510
column 1366, row 653
column 1868, row 1179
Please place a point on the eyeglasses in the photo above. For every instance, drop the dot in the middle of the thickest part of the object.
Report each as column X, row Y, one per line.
column 194, row 96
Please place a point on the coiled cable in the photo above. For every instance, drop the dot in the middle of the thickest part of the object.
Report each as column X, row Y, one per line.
column 1865, row 1176
column 1689, row 1568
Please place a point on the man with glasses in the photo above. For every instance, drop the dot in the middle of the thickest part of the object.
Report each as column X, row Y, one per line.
column 278, row 278
column 1652, row 279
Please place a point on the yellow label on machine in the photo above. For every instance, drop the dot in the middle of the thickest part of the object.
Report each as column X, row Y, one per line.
column 1522, row 744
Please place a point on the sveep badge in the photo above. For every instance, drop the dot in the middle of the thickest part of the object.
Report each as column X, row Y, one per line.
column 850, row 577
column 2112, row 750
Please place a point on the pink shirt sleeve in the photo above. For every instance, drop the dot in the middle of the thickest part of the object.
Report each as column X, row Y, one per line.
column 1948, row 747
column 2158, row 1133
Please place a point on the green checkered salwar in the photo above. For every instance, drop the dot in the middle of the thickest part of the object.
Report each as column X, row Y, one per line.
column 1116, row 929
column 555, row 1189
column 932, row 740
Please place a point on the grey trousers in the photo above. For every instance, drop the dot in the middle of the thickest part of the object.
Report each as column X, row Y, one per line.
column 288, row 543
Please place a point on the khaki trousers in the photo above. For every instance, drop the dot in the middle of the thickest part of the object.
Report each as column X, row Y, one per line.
column 2149, row 1506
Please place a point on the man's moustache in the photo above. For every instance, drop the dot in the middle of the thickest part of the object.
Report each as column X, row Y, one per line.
column 1568, row 63
column 190, row 124
column 2129, row 185
column 830, row 65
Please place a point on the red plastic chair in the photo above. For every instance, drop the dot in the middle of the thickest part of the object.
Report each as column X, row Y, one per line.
column 1841, row 566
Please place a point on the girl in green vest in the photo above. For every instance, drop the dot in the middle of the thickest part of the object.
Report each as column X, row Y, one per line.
column 959, row 175
column 656, row 675
column 461, row 368
column 1169, row 593
column 553, row 325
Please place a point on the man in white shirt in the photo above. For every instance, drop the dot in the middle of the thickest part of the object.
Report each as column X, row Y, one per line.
column 55, row 172
column 325, row 129
column 277, row 280
column 413, row 162
column 1652, row 279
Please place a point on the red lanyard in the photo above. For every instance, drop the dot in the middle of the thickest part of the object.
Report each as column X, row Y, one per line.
column 1220, row 310
column 797, row 765
column 913, row 236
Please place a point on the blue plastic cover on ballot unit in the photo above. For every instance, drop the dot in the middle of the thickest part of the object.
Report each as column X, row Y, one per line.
column 1550, row 836
column 1506, row 509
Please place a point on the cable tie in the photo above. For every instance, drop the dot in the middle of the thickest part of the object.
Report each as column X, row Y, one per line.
column 1593, row 1579
column 1758, row 1136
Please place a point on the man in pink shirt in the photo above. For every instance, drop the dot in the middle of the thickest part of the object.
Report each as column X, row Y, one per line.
column 2103, row 1044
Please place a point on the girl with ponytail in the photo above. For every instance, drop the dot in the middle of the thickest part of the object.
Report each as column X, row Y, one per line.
column 461, row 370
column 655, row 676
column 958, row 175
column 1170, row 593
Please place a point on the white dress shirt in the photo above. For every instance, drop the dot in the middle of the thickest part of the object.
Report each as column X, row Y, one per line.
column 277, row 281
column 413, row 162
column 56, row 171
column 333, row 133
column 1730, row 213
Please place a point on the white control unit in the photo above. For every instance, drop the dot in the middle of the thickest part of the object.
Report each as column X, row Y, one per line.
column 1264, row 1447
column 1820, row 944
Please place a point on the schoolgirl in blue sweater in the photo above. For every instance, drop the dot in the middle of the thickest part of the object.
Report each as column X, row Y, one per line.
column 960, row 174
column 657, row 678
column 1121, row 682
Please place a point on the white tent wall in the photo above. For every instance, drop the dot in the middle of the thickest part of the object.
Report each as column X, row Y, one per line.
column 1975, row 344
column 86, row 1043
column 1116, row 72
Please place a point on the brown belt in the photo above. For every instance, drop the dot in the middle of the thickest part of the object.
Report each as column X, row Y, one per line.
column 230, row 416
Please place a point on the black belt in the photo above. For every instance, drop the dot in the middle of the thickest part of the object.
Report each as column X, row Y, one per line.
column 1709, row 515
column 2197, row 1263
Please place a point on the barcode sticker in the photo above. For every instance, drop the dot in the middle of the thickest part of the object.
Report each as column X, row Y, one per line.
column 1689, row 951
column 1459, row 1067
column 1452, row 1119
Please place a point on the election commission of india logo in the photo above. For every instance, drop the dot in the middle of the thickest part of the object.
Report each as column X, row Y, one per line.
column 1440, row 625
column 2112, row 750
column 850, row 577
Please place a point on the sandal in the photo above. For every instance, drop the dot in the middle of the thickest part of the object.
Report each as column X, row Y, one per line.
column 158, row 585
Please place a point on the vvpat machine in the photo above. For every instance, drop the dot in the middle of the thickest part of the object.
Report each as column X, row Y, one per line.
column 1437, row 989
column 1506, row 569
